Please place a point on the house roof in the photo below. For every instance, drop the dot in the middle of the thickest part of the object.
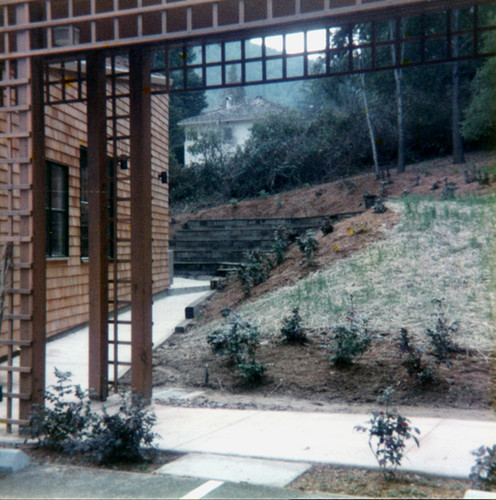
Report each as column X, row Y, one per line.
column 247, row 110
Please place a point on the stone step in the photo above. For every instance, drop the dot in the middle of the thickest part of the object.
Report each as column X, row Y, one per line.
column 218, row 246
column 246, row 234
column 260, row 223
column 211, row 268
column 245, row 244
column 202, row 255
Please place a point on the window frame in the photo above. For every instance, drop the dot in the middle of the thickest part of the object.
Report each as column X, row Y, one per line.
column 50, row 211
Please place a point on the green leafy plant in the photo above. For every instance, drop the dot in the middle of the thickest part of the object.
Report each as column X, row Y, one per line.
column 255, row 271
column 441, row 335
column 307, row 244
column 119, row 437
column 72, row 427
column 414, row 364
column 327, row 227
column 252, row 372
column 388, row 433
column 483, row 473
column 63, row 419
column 283, row 237
column 235, row 339
column 238, row 342
column 351, row 341
column 292, row 331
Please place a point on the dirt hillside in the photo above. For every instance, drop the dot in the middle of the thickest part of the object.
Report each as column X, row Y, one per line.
column 301, row 377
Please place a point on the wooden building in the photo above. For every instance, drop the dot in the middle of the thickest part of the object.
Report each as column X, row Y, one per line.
column 66, row 155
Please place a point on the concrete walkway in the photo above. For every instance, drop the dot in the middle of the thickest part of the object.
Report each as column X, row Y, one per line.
column 269, row 447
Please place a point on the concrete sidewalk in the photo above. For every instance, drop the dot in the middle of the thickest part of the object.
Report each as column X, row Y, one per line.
column 445, row 444
column 70, row 352
column 268, row 448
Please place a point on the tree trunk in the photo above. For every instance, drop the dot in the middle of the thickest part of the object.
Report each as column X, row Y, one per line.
column 399, row 120
column 458, row 156
column 400, row 162
column 370, row 127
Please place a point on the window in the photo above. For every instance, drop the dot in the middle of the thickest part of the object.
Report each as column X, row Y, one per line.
column 83, row 203
column 84, row 222
column 227, row 133
column 57, row 210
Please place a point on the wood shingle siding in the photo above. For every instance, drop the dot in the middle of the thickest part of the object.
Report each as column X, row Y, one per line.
column 67, row 278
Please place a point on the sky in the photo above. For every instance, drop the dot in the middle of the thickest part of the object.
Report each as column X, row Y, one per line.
column 316, row 40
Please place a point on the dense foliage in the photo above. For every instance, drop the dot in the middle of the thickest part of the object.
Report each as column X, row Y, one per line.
column 346, row 124
column 68, row 424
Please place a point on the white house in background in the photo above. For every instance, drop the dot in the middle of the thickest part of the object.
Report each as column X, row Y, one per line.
column 233, row 121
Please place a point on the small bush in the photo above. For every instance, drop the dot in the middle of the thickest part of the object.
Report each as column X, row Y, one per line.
column 119, row 437
column 351, row 341
column 72, row 427
column 255, row 271
column 282, row 239
column 483, row 473
column 307, row 244
column 292, row 330
column 415, row 366
column 234, row 340
column 238, row 341
column 441, row 336
column 252, row 372
column 388, row 433
column 59, row 423
column 327, row 227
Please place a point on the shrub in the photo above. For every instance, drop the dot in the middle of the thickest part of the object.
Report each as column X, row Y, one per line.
column 238, row 341
column 282, row 239
column 327, row 227
column 388, row 433
column 307, row 244
column 441, row 336
column 351, row 341
column 235, row 339
column 252, row 371
column 255, row 271
column 423, row 374
column 119, row 437
column 72, row 427
column 59, row 423
column 292, row 330
column 483, row 473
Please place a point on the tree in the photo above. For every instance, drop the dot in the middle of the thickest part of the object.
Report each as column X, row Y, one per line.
column 370, row 127
column 237, row 93
column 479, row 123
column 458, row 156
column 400, row 161
column 183, row 104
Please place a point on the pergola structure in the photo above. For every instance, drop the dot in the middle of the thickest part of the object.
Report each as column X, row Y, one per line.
column 81, row 39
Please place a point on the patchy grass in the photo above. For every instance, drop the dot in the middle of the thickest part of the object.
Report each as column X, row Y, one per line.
column 440, row 249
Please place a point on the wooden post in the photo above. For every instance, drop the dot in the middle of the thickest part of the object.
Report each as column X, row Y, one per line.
column 33, row 305
column 97, row 221
column 38, row 335
column 141, row 224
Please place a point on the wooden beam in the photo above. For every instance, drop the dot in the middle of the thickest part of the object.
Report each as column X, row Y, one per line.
column 38, row 335
column 32, row 309
column 97, row 221
column 141, row 223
